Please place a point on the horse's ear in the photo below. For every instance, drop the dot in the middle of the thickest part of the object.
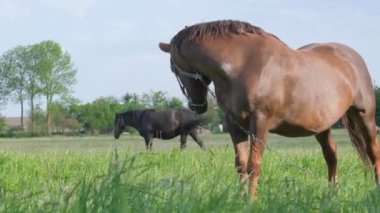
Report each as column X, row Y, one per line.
column 164, row 47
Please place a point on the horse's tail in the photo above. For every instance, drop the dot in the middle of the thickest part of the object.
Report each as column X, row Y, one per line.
column 356, row 136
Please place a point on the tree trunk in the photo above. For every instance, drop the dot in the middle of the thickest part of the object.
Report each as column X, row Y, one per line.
column 32, row 126
column 22, row 114
column 48, row 119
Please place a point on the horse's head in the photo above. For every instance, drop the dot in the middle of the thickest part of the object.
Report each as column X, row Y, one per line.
column 119, row 125
column 193, row 84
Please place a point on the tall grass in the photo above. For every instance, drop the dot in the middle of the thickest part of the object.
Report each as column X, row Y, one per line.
column 118, row 180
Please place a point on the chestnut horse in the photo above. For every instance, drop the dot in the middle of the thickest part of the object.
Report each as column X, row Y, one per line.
column 264, row 86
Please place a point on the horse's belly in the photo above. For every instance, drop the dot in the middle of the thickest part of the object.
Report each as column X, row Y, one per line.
column 167, row 137
column 164, row 135
column 308, row 119
column 289, row 130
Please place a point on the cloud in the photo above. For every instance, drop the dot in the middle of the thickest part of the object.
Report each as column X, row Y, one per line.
column 77, row 8
column 12, row 10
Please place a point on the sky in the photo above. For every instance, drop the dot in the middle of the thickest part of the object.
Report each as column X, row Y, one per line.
column 114, row 44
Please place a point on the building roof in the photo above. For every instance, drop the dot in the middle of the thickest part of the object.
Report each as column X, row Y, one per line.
column 15, row 121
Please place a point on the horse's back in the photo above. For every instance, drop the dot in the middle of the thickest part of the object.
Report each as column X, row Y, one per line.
column 339, row 56
column 351, row 66
column 174, row 120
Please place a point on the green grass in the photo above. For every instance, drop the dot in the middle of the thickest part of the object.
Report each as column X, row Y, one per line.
column 100, row 174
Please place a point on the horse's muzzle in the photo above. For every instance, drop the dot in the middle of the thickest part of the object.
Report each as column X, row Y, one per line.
column 198, row 108
column 116, row 135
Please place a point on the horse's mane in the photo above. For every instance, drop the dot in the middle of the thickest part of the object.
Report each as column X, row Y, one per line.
column 215, row 29
column 134, row 114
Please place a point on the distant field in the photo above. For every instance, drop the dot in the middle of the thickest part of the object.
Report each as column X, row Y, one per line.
column 101, row 174
column 135, row 143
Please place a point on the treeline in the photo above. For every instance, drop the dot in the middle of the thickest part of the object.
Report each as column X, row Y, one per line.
column 43, row 70
column 70, row 117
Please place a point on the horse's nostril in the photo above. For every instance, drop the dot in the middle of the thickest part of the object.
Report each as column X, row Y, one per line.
column 201, row 110
column 198, row 109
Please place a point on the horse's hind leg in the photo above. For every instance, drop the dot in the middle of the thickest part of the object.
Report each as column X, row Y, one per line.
column 362, row 128
column 194, row 135
column 327, row 142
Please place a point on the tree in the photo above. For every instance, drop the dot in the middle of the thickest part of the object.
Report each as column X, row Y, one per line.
column 56, row 74
column 33, row 88
column 4, row 91
column 214, row 115
column 132, row 101
column 98, row 116
column 377, row 94
column 160, row 100
column 20, row 70
column 62, row 120
column 40, row 121
column 3, row 125
column 14, row 76
column 130, row 98
column 174, row 103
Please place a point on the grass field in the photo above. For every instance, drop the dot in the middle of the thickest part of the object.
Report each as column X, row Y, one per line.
column 100, row 174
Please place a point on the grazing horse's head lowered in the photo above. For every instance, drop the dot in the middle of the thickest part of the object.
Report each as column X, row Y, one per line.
column 264, row 86
column 194, row 85
column 119, row 125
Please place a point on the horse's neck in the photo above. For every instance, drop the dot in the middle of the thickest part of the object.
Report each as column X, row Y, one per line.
column 226, row 73
column 132, row 121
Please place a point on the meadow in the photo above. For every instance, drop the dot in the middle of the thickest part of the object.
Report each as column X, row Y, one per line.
column 101, row 174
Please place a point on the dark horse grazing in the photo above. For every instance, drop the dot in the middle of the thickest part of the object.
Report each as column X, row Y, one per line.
column 265, row 86
column 163, row 124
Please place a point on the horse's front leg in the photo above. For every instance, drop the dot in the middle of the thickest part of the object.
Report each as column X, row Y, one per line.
column 239, row 139
column 148, row 142
column 259, row 131
column 183, row 141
